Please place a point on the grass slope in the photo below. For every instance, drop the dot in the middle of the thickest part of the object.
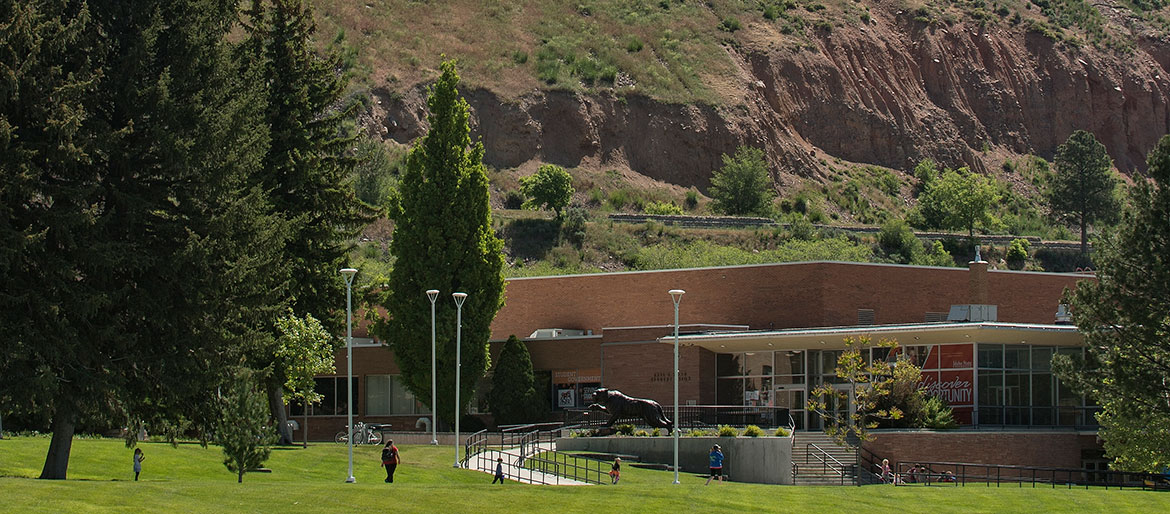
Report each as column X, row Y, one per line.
column 191, row 479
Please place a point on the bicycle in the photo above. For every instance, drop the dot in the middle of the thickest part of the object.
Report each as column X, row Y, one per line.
column 362, row 434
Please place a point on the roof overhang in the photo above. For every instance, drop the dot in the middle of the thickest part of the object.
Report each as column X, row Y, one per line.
column 832, row 338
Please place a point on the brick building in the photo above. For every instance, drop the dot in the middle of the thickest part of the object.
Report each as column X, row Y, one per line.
column 765, row 335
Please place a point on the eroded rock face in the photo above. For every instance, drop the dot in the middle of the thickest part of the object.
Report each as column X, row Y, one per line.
column 889, row 94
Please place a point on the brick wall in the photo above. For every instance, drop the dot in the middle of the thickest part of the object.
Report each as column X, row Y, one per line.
column 1025, row 448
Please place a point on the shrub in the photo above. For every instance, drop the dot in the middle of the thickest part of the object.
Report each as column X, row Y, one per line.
column 641, row 433
column 1017, row 253
column 692, row 199
column 662, row 208
column 519, row 57
column 753, row 431
column 625, row 429
column 573, row 225
column 634, row 45
column 727, row 431
column 657, row 432
column 618, row 199
column 729, row 25
column 781, row 432
column 696, row 432
column 937, row 414
column 513, row 200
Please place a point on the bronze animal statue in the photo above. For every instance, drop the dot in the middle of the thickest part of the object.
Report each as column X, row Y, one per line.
column 619, row 406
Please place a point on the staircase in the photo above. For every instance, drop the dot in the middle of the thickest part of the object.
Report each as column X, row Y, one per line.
column 811, row 468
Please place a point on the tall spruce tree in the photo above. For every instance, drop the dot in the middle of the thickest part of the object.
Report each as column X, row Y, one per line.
column 443, row 240
column 306, row 172
column 126, row 143
column 1083, row 186
column 1123, row 315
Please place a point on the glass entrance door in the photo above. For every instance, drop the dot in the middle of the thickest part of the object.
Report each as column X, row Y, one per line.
column 792, row 398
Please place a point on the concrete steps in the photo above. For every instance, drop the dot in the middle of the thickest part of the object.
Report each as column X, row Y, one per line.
column 812, row 468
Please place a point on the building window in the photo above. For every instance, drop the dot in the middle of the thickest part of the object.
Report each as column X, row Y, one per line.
column 1017, row 387
column 334, row 398
column 386, row 396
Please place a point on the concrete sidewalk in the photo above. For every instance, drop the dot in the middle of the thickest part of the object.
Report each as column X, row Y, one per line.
column 513, row 465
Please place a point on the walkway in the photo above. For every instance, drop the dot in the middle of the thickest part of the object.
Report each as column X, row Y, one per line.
column 514, row 469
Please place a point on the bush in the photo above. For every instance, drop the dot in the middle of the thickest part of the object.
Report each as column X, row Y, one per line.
column 937, row 414
column 753, row 431
column 727, row 431
column 781, row 432
column 696, row 432
column 625, row 429
column 692, row 199
column 519, row 57
column 657, row 432
column 662, row 208
column 634, row 45
column 641, row 433
column 1017, row 253
column 573, row 225
column 743, row 186
column 729, row 25
column 513, row 200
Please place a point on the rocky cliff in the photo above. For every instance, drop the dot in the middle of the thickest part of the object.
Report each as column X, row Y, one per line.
column 887, row 92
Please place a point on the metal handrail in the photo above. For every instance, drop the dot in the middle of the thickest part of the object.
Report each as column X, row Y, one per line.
column 840, row 469
column 962, row 472
column 543, row 466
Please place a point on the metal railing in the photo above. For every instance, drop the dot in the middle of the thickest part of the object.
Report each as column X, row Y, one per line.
column 694, row 416
column 528, row 455
column 837, row 467
column 961, row 473
column 866, row 462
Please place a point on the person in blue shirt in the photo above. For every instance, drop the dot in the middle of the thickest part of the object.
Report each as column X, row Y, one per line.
column 716, row 463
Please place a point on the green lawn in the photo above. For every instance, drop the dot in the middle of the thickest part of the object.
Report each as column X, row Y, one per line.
column 190, row 479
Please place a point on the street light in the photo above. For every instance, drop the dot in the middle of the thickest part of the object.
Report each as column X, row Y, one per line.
column 348, row 273
column 433, row 294
column 459, row 298
column 676, row 295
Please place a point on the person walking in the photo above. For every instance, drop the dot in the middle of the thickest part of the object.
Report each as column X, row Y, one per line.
column 139, row 456
column 390, row 460
column 715, row 459
column 615, row 471
column 499, row 470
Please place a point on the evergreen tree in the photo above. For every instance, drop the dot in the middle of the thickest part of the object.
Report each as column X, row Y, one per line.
column 1083, row 186
column 443, row 240
column 244, row 431
column 742, row 186
column 513, row 398
column 1123, row 315
column 306, row 172
column 134, row 238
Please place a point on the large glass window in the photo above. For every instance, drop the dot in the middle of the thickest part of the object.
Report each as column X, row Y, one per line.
column 333, row 398
column 386, row 396
column 758, row 364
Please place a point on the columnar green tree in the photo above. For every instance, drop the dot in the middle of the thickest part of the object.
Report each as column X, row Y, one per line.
column 743, row 186
column 1083, row 186
column 306, row 172
column 513, row 398
column 443, row 240
column 132, row 240
column 551, row 186
column 1124, row 317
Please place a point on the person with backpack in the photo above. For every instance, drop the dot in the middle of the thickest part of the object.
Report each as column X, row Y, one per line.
column 499, row 470
column 716, row 464
column 390, row 460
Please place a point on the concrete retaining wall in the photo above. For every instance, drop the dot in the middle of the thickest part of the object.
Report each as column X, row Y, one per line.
column 761, row 460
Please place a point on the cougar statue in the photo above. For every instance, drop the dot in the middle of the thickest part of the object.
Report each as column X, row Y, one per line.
column 619, row 406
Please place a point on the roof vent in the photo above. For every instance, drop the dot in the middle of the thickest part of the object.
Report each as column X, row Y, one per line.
column 973, row 312
column 1062, row 315
column 865, row 316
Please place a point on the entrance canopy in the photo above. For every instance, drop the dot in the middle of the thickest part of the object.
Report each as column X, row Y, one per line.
column 912, row 334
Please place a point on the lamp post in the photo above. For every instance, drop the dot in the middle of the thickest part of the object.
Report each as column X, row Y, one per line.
column 676, row 295
column 348, row 273
column 433, row 294
column 459, row 298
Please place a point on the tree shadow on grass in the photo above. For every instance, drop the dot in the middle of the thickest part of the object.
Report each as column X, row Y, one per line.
column 531, row 239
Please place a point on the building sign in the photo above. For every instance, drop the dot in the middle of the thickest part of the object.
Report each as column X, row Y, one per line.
column 957, row 356
column 576, row 376
column 954, row 387
column 948, row 373
column 566, row 398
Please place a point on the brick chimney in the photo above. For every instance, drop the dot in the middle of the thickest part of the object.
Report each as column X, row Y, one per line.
column 977, row 280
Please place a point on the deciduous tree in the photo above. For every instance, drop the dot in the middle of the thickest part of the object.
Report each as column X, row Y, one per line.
column 854, row 410
column 1083, row 187
column 743, row 186
column 1123, row 315
column 551, row 186
column 958, row 200
column 443, row 240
